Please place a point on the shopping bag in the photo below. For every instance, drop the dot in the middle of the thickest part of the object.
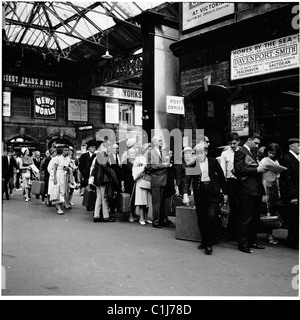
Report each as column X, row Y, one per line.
column 224, row 214
column 54, row 193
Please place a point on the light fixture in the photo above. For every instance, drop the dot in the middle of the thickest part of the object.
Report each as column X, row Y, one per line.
column 107, row 55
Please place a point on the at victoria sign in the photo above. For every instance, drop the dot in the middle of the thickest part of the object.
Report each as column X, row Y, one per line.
column 268, row 57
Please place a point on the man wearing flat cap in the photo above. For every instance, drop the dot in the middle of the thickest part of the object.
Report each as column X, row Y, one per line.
column 85, row 163
column 289, row 186
column 209, row 184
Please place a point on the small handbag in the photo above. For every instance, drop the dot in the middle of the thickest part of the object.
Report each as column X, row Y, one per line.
column 145, row 182
column 269, row 221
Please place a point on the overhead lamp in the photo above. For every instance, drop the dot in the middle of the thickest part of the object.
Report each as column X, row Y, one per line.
column 107, row 55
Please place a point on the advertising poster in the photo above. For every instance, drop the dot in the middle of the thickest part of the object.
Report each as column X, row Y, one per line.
column 6, row 111
column 112, row 113
column 44, row 107
column 198, row 13
column 240, row 118
column 77, row 110
column 271, row 56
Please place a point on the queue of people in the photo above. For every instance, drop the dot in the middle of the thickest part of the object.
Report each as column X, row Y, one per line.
column 147, row 173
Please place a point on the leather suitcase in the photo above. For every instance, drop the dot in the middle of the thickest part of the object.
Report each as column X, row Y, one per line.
column 89, row 197
column 38, row 187
column 175, row 201
column 187, row 224
column 123, row 203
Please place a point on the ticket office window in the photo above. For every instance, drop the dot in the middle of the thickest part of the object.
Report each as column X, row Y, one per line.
column 126, row 113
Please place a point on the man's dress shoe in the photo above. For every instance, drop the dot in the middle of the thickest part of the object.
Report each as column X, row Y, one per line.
column 201, row 246
column 158, row 226
column 245, row 250
column 208, row 250
column 256, row 246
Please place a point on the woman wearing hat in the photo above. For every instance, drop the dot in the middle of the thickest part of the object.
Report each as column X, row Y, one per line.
column 45, row 174
column 143, row 197
column 25, row 163
column 60, row 170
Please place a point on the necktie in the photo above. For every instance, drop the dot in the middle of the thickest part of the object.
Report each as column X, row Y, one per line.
column 160, row 156
column 8, row 160
column 117, row 160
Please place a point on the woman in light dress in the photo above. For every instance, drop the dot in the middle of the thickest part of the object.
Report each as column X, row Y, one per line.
column 25, row 163
column 143, row 197
column 58, row 168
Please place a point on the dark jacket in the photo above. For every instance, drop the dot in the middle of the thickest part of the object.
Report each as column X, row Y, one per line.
column 289, row 180
column 159, row 173
column 8, row 170
column 245, row 169
column 216, row 176
column 85, row 163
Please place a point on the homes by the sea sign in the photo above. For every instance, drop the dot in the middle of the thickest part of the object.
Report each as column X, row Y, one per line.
column 44, row 107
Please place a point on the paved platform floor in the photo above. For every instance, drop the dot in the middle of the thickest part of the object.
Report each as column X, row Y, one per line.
column 49, row 255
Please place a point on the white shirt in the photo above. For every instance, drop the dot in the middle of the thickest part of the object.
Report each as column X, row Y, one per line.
column 227, row 163
column 294, row 154
column 204, row 169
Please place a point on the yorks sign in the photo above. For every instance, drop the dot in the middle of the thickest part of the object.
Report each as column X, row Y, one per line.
column 198, row 13
column 268, row 57
column 118, row 93
column 44, row 107
column 77, row 110
column 175, row 105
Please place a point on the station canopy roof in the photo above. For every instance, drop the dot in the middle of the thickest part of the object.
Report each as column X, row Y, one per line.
column 59, row 27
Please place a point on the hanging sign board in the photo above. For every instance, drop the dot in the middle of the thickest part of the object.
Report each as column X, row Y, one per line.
column 30, row 82
column 267, row 57
column 6, row 104
column 77, row 110
column 240, row 118
column 118, row 93
column 112, row 113
column 44, row 107
column 175, row 105
column 198, row 13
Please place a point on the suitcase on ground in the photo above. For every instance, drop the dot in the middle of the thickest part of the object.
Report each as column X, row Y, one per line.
column 173, row 202
column 89, row 197
column 123, row 203
column 187, row 224
column 38, row 187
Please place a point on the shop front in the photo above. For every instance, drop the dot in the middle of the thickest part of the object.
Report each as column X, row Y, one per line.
column 239, row 72
column 123, row 113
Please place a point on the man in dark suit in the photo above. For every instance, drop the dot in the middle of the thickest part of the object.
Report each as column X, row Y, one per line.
column 251, row 190
column 8, row 165
column 289, row 187
column 209, row 184
column 115, row 164
column 85, row 163
column 158, row 165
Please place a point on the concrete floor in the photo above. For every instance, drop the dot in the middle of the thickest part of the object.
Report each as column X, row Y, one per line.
column 49, row 255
